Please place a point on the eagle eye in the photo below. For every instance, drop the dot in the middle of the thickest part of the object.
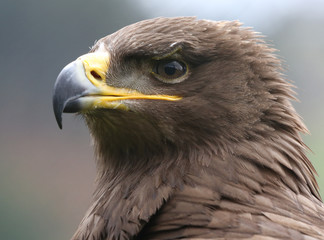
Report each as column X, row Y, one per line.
column 170, row 70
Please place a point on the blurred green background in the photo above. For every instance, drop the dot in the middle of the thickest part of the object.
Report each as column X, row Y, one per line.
column 47, row 175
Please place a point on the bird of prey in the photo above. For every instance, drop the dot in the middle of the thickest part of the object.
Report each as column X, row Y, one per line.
column 194, row 134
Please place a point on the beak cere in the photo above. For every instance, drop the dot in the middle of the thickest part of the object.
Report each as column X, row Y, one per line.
column 81, row 86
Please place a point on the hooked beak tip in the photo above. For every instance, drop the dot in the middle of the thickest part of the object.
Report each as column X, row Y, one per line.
column 58, row 110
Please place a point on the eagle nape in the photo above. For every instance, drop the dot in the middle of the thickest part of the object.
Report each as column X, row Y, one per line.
column 194, row 133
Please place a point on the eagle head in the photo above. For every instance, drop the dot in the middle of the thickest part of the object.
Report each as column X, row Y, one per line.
column 180, row 82
column 176, row 105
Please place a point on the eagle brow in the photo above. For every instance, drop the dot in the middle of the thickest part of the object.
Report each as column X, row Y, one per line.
column 169, row 54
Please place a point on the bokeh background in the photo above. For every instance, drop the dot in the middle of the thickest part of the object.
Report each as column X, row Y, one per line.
column 47, row 175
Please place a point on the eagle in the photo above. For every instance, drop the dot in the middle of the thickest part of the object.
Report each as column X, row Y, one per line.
column 194, row 133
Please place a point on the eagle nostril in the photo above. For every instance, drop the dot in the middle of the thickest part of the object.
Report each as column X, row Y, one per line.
column 96, row 75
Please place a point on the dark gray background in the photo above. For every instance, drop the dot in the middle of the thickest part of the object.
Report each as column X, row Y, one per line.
column 47, row 175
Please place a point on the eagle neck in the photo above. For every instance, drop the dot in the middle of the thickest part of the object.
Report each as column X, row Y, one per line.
column 127, row 195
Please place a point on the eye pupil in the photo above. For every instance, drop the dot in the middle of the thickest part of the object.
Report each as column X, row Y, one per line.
column 170, row 70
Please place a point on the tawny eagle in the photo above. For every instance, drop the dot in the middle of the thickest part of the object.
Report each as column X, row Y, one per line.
column 194, row 134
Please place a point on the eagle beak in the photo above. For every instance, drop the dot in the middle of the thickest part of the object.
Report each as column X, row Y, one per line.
column 81, row 86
